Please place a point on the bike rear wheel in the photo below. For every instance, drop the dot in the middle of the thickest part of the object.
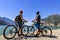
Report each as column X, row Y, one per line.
column 10, row 32
column 46, row 31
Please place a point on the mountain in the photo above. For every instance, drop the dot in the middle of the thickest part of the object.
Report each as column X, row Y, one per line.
column 2, row 22
column 6, row 21
column 54, row 19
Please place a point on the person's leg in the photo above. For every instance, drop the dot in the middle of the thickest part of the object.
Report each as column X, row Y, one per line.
column 38, row 29
column 20, row 28
column 36, row 32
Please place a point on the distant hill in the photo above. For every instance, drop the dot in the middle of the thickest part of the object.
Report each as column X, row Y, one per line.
column 6, row 21
column 2, row 22
column 54, row 19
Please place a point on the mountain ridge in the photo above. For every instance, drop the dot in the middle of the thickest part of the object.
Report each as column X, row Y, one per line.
column 6, row 21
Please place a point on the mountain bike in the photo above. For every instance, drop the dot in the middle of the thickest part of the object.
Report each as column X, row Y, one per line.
column 11, row 30
column 44, row 30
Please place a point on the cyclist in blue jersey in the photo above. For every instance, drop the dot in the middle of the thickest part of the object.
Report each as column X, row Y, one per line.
column 37, row 19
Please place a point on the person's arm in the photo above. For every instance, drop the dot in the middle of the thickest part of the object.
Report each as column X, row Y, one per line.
column 35, row 18
column 24, row 20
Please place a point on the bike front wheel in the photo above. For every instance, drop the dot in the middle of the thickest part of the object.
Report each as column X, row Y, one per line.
column 31, row 30
column 46, row 31
column 25, row 30
column 10, row 32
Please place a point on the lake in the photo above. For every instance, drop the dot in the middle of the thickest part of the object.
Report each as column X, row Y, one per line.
column 2, row 28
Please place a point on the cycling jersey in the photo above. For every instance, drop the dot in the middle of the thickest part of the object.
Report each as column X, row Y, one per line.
column 18, row 18
column 38, row 21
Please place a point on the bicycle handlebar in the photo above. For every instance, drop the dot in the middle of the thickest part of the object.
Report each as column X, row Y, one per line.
column 34, row 21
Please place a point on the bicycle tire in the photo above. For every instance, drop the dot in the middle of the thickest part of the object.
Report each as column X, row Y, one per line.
column 25, row 26
column 31, row 30
column 46, row 30
column 5, row 30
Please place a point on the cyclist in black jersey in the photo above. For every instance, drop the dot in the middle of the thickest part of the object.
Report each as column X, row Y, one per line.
column 19, row 19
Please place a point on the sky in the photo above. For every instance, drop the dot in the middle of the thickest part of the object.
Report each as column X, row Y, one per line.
column 10, row 8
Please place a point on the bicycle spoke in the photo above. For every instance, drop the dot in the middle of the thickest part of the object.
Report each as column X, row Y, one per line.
column 9, row 31
column 47, row 32
column 31, row 30
column 25, row 30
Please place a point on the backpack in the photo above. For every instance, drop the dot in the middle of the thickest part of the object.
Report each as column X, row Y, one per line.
column 18, row 18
